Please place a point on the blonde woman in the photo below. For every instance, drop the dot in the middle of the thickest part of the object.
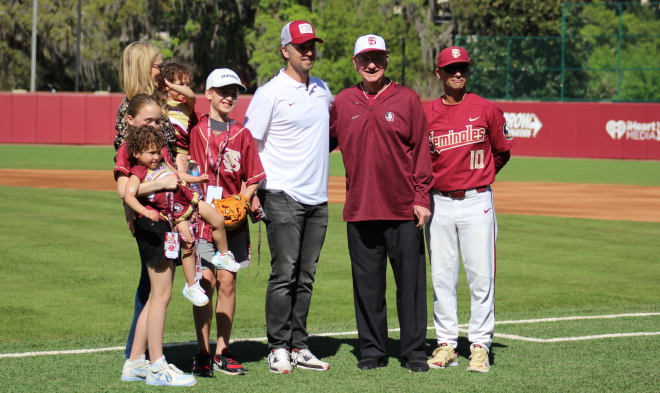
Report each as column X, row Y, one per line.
column 139, row 72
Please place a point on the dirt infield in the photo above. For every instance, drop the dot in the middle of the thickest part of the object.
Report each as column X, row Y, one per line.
column 597, row 201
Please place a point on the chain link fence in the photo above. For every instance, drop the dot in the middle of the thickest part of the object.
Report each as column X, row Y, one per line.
column 606, row 52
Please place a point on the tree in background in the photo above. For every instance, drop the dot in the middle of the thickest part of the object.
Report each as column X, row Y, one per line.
column 210, row 34
column 105, row 26
column 339, row 23
column 599, row 25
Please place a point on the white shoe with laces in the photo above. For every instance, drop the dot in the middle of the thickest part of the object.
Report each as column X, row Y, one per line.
column 164, row 374
column 195, row 294
column 304, row 358
column 279, row 361
column 136, row 370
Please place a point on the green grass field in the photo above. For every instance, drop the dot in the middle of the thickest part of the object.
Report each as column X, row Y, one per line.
column 70, row 270
column 635, row 172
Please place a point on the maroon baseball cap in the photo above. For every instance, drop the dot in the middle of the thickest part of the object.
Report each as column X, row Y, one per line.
column 298, row 32
column 451, row 55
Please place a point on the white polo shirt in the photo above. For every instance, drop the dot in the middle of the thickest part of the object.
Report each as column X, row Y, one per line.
column 291, row 123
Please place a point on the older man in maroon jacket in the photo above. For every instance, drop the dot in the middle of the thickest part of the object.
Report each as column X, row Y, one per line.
column 381, row 131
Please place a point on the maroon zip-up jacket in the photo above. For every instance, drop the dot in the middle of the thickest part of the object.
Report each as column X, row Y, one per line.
column 385, row 148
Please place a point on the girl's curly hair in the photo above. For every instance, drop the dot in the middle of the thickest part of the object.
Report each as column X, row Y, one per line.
column 141, row 139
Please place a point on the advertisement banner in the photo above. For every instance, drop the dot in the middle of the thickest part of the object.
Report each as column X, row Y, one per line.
column 544, row 129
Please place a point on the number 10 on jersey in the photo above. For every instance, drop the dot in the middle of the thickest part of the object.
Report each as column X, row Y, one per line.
column 476, row 159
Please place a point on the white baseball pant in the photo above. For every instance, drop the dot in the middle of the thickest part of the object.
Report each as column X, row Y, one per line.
column 467, row 226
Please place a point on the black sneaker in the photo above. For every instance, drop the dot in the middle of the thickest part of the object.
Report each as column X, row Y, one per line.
column 417, row 366
column 227, row 364
column 202, row 365
column 370, row 363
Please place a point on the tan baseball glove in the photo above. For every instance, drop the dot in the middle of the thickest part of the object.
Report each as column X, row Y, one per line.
column 234, row 208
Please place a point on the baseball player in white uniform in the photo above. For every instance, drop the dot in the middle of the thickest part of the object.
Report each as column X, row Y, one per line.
column 469, row 145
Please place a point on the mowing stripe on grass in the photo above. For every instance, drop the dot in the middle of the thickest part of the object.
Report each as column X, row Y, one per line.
column 352, row 333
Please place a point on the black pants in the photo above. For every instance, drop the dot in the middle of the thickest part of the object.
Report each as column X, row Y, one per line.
column 369, row 245
column 295, row 235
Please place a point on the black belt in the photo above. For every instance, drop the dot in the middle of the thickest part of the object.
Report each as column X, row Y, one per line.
column 460, row 194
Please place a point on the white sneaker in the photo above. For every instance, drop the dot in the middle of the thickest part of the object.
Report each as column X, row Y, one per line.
column 163, row 374
column 279, row 361
column 226, row 261
column 195, row 294
column 136, row 370
column 304, row 358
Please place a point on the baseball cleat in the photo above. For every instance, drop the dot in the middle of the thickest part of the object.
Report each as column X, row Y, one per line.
column 443, row 356
column 478, row 359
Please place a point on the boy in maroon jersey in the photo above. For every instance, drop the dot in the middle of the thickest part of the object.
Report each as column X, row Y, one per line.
column 469, row 145
column 225, row 151
column 380, row 128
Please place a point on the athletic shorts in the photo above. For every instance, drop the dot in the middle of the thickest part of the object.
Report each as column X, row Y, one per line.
column 150, row 238
column 238, row 241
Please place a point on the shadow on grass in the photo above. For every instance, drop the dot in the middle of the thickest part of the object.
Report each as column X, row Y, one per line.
column 322, row 347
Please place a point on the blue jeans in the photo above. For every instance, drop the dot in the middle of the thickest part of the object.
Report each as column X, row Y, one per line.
column 295, row 236
column 141, row 297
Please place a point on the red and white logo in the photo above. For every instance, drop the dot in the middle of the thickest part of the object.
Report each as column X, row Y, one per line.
column 389, row 116
column 453, row 139
column 456, row 53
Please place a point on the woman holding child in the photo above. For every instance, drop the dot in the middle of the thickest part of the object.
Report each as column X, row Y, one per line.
column 140, row 71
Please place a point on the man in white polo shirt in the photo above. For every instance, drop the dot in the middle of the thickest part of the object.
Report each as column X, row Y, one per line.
column 289, row 118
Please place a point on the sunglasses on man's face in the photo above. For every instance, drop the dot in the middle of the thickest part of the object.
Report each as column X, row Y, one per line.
column 377, row 58
column 451, row 69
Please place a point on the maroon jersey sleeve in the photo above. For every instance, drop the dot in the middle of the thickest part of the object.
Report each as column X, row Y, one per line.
column 140, row 171
column 253, row 171
column 166, row 156
column 122, row 163
column 500, row 140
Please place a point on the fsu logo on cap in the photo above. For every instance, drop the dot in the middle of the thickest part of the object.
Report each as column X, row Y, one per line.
column 456, row 53
column 371, row 40
column 389, row 116
column 305, row 28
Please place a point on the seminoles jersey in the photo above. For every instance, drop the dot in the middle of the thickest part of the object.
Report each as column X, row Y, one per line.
column 464, row 139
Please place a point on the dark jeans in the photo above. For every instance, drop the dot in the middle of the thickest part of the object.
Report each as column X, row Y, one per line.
column 369, row 245
column 295, row 235
column 141, row 297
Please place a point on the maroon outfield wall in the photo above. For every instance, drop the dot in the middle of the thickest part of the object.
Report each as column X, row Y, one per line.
column 550, row 129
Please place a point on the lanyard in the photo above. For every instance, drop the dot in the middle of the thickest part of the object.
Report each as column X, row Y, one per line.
column 215, row 165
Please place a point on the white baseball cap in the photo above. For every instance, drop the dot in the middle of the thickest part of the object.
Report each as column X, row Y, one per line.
column 370, row 43
column 223, row 77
